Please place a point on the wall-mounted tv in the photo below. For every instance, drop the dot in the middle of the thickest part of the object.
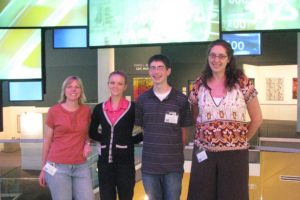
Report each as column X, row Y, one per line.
column 20, row 54
column 43, row 13
column 132, row 22
column 29, row 90
column 1, row 109
column 70, row 38
column 253, row 15
column 244, row 43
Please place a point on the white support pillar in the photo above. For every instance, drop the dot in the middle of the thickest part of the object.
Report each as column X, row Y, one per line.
column 106, row 64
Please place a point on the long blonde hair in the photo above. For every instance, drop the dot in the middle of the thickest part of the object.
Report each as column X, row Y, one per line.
column 65, row 84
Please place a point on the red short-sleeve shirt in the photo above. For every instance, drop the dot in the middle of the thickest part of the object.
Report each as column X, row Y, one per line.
column 70, row 130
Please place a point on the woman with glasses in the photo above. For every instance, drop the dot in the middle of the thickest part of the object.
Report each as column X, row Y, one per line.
column 220, row 99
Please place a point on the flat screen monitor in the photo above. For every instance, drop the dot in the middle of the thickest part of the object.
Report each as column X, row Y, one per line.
column 20, row 54
column 132, row 22
column 244, row 43
column 70, row 38
column 25, row 90
column 254, row 15
column 1, row 109
column 43, row 13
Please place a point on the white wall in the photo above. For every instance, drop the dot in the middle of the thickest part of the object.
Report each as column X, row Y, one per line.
column 11, row 126
column 21, row 123
column 285, row 109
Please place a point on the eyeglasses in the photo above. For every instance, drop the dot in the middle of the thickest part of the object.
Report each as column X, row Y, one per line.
column 214, row 56
column 159, row 68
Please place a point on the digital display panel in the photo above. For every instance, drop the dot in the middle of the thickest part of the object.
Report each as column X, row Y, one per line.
column 244, row 43
column 1, row 109
column 43, row 13
column 25, row 91
column 70, row 38
column 252, row 15
column 20, row 54
column 133, row 22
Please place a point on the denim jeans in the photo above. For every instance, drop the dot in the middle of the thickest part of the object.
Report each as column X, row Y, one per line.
column 163, row 186
column 70, row 182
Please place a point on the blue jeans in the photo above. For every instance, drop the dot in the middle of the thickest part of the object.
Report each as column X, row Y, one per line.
column 70, row 182
column 163, row 186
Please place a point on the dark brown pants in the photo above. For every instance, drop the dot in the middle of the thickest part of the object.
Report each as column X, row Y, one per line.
column 223, row 176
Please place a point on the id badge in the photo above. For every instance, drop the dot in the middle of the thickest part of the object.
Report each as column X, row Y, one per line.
column 201, row 155
column 50, row 169
column 171, row 117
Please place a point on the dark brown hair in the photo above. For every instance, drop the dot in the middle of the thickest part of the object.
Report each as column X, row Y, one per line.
column 162, row 58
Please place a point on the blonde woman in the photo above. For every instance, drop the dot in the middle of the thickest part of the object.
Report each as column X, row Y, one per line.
column 66, row 145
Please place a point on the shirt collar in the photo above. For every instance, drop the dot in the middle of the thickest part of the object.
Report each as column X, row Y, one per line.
column 152, row 94
column 123, row 104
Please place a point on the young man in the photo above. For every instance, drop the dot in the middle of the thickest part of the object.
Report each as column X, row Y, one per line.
column 163, row 113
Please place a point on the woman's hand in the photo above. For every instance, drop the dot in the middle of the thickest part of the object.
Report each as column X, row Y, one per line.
column 42, row 180
column 87, row 149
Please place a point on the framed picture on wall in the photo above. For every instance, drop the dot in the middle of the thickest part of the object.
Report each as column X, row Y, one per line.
column 253, row 81
column 274, row 89
column 295, row 88
column 190, row 86
column 140, row 85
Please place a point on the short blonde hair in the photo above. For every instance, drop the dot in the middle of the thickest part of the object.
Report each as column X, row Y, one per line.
column 65, row 84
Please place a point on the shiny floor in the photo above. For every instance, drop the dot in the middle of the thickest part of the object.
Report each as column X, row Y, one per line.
column 277, row 177
column 11, row 161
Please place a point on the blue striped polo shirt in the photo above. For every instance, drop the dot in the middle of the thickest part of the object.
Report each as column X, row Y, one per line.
column 162, row 145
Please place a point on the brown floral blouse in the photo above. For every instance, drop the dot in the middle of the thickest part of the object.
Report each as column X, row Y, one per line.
column 223, row 126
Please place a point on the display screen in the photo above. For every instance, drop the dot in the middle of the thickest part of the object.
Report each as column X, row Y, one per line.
column 25, row 90
column 134, row 22
column 43, row 13
column 252, row 15
column 70, row 38
column 244, row 43
column 20, row 54
column 1, row 109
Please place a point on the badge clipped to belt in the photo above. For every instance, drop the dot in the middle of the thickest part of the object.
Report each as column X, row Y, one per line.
column 201, row 154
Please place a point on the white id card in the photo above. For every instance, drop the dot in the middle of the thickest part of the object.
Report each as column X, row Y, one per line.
column 201, row 156
column 49, row 169
column 171, row 117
